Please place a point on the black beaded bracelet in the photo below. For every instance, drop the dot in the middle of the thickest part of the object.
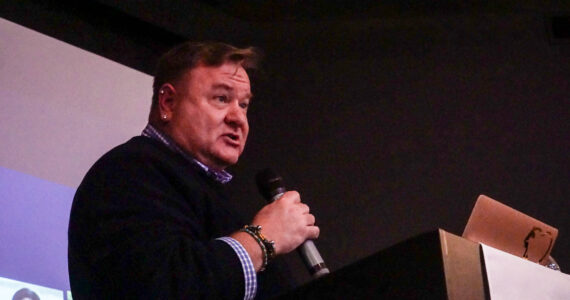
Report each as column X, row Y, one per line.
column 267, row 246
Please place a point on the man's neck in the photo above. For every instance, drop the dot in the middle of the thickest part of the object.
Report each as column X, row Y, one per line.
column 155, row 133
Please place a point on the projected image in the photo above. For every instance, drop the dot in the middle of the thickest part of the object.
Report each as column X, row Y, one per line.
column 49, row 152
column 18, row 290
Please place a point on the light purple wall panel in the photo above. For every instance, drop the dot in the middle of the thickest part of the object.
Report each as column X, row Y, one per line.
column 33, row 219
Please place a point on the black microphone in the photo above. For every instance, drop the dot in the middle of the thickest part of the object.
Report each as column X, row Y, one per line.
column 271, row 186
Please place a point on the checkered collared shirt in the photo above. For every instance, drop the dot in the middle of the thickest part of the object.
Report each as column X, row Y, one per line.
column 223, row 177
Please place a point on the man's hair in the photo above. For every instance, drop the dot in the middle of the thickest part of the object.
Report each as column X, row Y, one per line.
column 174, row 64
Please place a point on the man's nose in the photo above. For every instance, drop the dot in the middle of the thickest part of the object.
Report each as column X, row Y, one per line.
column 236, row 115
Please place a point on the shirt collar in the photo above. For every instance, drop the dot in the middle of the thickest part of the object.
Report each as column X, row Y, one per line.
column 220, row 176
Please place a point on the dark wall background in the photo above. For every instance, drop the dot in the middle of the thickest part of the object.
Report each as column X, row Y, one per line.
column 389, row 119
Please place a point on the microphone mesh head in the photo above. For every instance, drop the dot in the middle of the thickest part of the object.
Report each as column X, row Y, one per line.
column 269, row 183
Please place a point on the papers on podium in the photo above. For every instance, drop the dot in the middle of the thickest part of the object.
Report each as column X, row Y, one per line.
column 512, row 277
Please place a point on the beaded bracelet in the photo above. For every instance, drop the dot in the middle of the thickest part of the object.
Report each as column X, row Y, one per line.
column 267, row 246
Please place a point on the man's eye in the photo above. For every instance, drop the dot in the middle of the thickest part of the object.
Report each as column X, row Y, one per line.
column 244, row 105
column 222, row 98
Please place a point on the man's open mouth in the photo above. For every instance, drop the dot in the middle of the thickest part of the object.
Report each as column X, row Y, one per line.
column 233, row 137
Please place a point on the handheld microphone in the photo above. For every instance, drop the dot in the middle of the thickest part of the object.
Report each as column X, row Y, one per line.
column 271, row 187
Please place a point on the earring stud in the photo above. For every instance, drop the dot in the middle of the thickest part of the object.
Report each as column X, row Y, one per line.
column 164, row 117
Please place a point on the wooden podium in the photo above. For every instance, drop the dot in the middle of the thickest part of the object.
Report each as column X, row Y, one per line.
column 433, row 265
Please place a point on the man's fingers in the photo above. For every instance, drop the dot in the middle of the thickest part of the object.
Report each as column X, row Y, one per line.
column 304, row 208
column 314, row 232
column 296, row 196
column 291, row 197
column 310, row 219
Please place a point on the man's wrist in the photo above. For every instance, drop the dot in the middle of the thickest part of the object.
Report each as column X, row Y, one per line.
column 251, row 246
column 267, row 246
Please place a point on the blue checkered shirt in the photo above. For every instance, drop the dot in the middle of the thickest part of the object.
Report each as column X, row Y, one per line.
column 222, row 177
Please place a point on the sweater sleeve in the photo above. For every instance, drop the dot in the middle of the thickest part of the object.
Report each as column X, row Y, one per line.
column 249, row 273
column 140, row 229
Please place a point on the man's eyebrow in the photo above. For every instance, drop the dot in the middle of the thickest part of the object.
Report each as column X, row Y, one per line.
column 222, row 86
column 226, row 87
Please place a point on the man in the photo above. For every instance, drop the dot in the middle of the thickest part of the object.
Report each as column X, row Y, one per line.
column 151, row 220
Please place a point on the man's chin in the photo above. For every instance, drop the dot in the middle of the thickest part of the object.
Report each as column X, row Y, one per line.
column 224, row 161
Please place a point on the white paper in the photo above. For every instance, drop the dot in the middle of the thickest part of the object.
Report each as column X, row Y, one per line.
column 511, row 277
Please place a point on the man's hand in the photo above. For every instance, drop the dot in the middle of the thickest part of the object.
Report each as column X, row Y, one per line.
column 287, row 221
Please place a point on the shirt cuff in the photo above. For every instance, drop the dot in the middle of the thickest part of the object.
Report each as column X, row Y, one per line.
column 247, row 265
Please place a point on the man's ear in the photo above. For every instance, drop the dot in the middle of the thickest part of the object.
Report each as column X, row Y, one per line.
column 166, row 101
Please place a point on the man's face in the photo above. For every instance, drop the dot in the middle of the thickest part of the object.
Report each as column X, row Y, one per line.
column 209, row 114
